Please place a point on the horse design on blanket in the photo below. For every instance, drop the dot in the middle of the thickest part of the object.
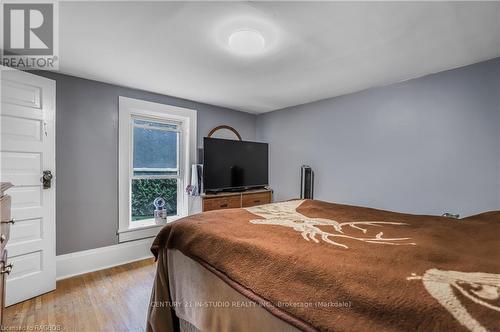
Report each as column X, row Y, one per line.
column 480, row 288
column 285, row 214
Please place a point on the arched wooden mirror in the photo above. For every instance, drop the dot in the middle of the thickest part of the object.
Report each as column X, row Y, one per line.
column 225, row 132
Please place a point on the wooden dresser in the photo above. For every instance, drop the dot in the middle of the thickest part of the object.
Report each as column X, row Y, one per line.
column 6, row 222
column 236, row 200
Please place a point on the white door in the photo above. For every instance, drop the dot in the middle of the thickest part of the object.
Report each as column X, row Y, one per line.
column 27, row 149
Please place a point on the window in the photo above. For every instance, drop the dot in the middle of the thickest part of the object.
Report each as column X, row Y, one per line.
column 155, row 163
column 157, row 147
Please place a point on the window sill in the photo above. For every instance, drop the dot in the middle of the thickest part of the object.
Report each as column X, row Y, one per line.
column 143, row 229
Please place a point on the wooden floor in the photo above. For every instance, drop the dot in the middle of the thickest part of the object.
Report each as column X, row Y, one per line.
column 114, row 299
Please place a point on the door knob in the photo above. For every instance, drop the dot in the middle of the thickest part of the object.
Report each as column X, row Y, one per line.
column 47, row 179
column 6, row 269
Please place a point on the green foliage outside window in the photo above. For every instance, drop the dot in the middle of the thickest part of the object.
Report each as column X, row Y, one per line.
column 145, row 191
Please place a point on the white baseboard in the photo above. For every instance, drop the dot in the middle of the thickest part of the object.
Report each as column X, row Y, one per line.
column 81, row 262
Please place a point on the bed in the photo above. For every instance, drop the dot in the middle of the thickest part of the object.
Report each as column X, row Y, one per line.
column 305, row 265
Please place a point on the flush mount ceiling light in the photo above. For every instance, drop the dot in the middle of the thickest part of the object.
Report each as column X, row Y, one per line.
column 246, row 42
column 247, row 37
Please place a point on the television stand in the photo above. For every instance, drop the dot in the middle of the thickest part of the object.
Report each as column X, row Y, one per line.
column 230, row 200
column 233, row 190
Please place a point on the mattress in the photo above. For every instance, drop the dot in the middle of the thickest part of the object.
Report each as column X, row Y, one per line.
column 206, row 303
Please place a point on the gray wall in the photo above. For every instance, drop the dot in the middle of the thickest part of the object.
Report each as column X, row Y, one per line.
column 426, row 145
column 87, row 155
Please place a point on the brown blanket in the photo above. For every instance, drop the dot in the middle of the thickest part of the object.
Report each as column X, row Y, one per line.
column 332, row 267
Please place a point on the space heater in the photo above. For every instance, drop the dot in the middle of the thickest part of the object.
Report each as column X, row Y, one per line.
column 306, row 182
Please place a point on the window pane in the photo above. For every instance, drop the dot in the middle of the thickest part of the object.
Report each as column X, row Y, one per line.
column 155, row 149
column 145, row 191
column 151, row 124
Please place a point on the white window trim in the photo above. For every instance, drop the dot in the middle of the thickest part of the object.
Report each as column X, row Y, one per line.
column 128, row 107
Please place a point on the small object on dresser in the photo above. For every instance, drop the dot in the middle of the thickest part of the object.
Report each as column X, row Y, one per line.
column 451, row 215
column 160, row 211
column 195, row 187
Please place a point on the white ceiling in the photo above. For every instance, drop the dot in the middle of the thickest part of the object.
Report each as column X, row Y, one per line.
column 315, row 50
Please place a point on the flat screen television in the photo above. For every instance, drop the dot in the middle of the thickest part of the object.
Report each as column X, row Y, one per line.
column 234, row 165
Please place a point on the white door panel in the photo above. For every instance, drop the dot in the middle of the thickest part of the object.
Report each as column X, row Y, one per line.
column 21, row 94
column 27, row 264
column 28, row 230
column 26, row 197
column 21, row 111
column 27, row 149
column 21, row 168
column 28, row 130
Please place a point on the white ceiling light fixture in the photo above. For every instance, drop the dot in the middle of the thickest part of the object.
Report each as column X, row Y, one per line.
column 247, row 37
column 247, row 42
